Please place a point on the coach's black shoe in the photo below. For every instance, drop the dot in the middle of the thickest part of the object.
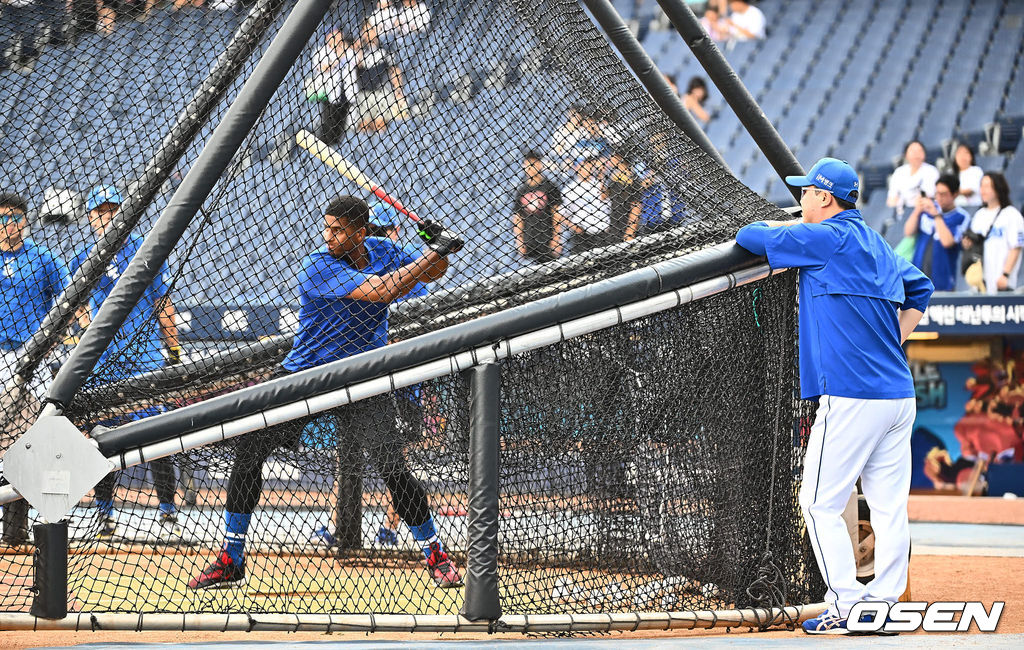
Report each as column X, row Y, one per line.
column 442, row 569
column 222, row 573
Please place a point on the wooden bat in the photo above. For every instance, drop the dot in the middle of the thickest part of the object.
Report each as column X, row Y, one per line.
column 330, row 156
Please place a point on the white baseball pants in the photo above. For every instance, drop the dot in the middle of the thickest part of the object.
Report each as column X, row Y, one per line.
column 870, row 439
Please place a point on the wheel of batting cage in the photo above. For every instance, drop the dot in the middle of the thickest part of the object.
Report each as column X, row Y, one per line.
column 865, row 548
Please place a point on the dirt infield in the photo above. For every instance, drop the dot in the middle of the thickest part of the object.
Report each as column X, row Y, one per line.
column 932, row 578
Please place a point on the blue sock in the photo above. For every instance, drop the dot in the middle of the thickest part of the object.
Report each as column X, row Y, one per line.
column 168, row 509
column 426, row 534
column 236, row 525
column 105, row 507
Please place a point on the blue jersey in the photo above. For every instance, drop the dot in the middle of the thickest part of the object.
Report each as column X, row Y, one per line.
column 332, row 326
column 943, row 260
column 31, row 278
column 852, row 287
column 137, row 347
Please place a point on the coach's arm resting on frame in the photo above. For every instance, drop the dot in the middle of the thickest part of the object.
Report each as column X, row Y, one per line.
column 812, row 246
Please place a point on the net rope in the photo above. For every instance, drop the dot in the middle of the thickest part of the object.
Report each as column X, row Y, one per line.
column 439, row 102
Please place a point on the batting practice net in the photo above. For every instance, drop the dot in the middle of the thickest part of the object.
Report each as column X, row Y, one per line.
column 645, row 466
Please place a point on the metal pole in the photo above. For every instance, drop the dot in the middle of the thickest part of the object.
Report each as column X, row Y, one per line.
column 141, row 192
column 482, row 600
column 239, row 119
column 650, row 76
column 729, row 84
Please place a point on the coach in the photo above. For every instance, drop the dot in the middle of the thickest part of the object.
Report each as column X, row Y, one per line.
column 858, row 302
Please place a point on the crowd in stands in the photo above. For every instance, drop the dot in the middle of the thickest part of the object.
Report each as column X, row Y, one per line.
column 948, row 218
column 586, row 192
column 27, row 23
column 733, row 20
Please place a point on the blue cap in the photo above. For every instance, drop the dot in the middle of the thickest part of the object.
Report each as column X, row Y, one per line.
column 102, row 194
column 831, row 175
column 383, row 215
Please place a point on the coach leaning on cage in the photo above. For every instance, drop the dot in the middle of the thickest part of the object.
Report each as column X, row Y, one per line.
column 858, row 303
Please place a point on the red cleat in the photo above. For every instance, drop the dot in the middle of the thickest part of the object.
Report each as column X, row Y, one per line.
column 442, row 570
column 222, row 573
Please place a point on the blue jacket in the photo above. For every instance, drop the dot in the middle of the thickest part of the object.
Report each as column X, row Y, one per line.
column 852, row 287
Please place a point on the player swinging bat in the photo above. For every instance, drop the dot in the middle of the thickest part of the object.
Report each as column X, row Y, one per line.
column 344, row 291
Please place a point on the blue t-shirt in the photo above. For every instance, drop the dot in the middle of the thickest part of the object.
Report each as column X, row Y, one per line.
column 31, row 278
column 331, row 326
column 944, row 266
column 852, row 287
column 137, row 347
column 653, row 204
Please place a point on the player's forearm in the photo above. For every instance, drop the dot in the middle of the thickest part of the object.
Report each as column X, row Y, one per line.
column 391, row 286
column 909, row 318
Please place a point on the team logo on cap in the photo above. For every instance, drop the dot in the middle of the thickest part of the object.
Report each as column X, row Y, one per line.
column 824, row 181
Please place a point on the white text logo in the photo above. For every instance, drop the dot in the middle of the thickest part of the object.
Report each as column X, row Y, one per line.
column 872, row 616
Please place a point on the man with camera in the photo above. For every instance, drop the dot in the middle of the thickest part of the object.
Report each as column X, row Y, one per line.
column 939, row 226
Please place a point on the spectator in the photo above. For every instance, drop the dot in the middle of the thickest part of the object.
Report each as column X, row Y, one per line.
column 714, row 25
column 745, row 22
column 587, row 210
column 536, row 213
column 380, row 99
column 660, row 207
column 1001, row 229
column 583, row 135
column 413, row 18
column 939, row 226
column 181, row 4
column 911, row 180
column 970, row 176
column 18, row 24
column 696, row 95
column 334, row 85
column 384, row 17
column 622, row 193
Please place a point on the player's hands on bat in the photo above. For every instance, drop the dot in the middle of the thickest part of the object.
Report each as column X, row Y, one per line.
column 438, row 238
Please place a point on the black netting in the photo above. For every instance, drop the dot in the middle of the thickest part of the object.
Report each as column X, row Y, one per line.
column 647, row 467
column 438, row 101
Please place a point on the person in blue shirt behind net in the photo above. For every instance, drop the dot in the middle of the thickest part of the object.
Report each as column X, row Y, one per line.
column 138, row 348
column 938, row 225
column 31, row 278
column 345, row 289
column 859, row 302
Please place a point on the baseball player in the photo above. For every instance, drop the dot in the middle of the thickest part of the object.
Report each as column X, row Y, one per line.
column 858, row 303
column 344, row 292
column 31, row 278
column 137, row 348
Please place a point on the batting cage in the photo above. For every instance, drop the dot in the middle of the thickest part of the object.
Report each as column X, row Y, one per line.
column 417, row 308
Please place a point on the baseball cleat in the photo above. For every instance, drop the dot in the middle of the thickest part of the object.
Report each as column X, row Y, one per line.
column 827, row 623
column 222, row 573
column 442, row 570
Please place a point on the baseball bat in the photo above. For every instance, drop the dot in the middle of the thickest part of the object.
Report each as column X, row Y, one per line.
column 330, row 156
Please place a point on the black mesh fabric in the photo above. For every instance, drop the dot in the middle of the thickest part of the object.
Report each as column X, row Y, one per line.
column 440, row 112
column 641, row 470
